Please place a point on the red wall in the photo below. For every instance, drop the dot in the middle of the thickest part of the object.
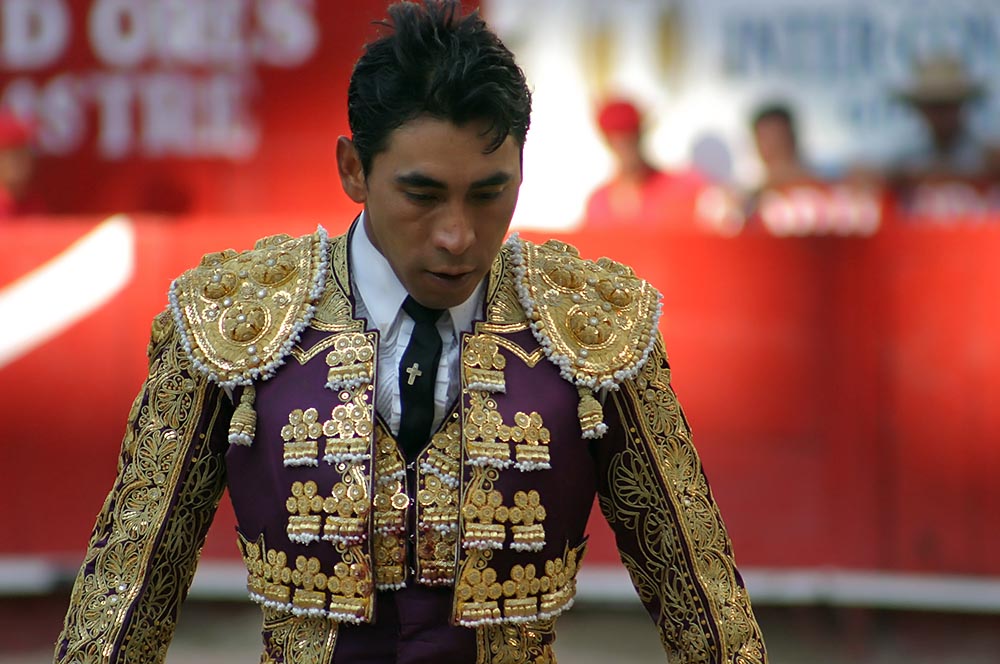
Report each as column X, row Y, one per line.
column 843, row 392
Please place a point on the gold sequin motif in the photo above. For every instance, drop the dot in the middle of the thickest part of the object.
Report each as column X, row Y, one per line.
column 483, row 597
column 304, row 588
column 301, row 436
column 488, row 438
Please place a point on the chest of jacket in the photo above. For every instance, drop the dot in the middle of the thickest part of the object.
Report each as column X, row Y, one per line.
column 495, row 505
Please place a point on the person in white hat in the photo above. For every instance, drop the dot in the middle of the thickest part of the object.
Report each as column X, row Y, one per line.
column 941, row 91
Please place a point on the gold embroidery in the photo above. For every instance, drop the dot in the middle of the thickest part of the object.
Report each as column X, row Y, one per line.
column 349, row 428
column 482, row 597
column 301, row 436
column 145, row 544
column 483, row 364
column 239, row 313
column 334, row 310
column 390, row 505
column 352, row 362
column 526, row 517
column 517, row 643
column 305, row 506
column 347, row 507
column 484, row 516
column 659, row 487
column 504, row 311
column 290, row 639
column 596, row 319
column 488, row 439
column 343, row 593
column 303, row 355
column 437, row 507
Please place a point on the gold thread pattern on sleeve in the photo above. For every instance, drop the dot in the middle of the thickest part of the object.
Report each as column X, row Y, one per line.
column 145, row 545
column 684, row 560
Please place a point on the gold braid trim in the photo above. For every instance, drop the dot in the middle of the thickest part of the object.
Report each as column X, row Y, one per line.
column 144, row 548
column 684, row 562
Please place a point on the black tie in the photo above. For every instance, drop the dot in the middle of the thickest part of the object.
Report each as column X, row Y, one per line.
column 417, row 375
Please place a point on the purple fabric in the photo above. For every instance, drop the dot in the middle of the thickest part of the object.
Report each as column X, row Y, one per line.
column 411, row 627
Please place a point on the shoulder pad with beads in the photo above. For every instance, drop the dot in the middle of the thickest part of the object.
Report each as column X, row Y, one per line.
column 240, row 313
column 595, row 319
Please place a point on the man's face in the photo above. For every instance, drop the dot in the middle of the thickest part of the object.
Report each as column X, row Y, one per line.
column 437, row 206
column 775, row 141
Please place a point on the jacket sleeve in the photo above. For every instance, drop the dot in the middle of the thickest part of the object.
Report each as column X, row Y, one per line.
column 670, row 535
column 145, row 546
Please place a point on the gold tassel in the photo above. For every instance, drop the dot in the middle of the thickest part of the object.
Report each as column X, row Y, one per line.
column 591, row 414
column 243, row 425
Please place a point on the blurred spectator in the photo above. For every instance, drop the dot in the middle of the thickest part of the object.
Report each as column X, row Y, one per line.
column 941, row 92
column 17, row 167
column 776, row 138
column 638, row 194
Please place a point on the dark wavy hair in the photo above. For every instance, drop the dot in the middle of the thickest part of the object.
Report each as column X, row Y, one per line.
column 435, row 61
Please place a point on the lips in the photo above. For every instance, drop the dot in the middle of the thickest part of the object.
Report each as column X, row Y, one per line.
column 451, row 275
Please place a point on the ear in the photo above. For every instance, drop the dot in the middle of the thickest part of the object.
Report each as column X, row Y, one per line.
column 352, row 176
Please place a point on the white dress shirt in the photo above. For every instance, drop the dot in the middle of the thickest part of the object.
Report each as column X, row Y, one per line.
column 379, row 299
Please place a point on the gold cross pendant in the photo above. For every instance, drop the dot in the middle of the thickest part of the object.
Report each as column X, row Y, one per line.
column 413, row 372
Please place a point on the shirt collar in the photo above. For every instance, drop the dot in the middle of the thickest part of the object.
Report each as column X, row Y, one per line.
column 383, row 293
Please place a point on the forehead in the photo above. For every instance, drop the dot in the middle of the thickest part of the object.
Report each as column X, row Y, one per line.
column 441, row 149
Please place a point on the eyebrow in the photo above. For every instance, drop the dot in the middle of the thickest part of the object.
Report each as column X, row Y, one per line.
column 425, row 182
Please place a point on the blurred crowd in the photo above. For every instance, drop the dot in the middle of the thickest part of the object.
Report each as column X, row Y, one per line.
column 950, row 173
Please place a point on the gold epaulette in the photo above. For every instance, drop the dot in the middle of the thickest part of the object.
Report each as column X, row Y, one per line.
column 240, row 313
column 595, row 319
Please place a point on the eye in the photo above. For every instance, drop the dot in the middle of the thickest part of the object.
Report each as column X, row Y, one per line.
column 487, row 195
column 420, row 197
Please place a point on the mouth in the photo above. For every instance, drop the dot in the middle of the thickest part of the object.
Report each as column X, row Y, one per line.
column 451, row 276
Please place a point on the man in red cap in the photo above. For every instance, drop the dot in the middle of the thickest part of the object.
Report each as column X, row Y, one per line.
column 17, row 166
column 638, row 194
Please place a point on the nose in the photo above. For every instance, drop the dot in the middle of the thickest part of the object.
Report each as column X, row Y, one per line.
column 455, row 231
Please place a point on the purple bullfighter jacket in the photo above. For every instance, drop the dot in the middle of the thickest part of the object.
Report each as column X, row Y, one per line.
column 262, row 379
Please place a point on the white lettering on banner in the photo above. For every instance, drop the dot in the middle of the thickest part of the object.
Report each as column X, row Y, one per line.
column 289, row 32
column 33, row 33
column 157, row 114
column 178, row 76
column 113, row 96
column 119, row 33
column 129, row 33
